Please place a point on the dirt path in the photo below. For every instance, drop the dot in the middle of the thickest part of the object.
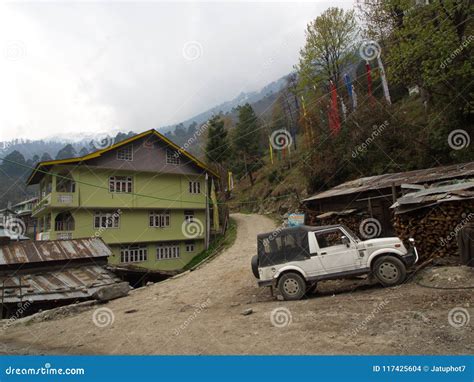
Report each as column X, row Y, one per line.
column 200, row 313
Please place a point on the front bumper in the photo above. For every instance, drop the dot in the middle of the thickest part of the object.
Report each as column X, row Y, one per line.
column 411, row 257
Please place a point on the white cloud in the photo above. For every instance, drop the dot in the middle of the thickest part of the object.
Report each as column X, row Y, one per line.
column 69, row 69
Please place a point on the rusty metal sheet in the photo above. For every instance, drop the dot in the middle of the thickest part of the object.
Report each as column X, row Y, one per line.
column 387, row 180
column 69, row 283
column 52, row 250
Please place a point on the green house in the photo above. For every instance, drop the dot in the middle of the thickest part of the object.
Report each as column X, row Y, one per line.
column 151, row 201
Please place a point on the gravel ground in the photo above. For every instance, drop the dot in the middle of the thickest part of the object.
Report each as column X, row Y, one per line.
column 201, row 312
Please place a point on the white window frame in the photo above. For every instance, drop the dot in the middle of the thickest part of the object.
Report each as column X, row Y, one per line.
column 133, row 253
column 159, row 219
column 189, row 216
column 190, row 246
column 106, row 220
column 125, row 153
column 167, row 251
column 119, row 184
column 172, row 157
column 194, row 187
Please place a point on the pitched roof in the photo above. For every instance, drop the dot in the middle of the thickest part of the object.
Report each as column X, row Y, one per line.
column 42, row 167
column 28, row 251
column 377, row 182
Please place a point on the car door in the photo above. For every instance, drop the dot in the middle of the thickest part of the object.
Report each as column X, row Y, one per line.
column 332, row 254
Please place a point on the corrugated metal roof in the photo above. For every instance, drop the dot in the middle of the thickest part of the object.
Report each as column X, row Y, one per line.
column 434, row 195
column 69, row 283
column 52, row 250
column 386, row 180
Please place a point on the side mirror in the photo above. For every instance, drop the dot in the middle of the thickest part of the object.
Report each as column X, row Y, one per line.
column 346, row 241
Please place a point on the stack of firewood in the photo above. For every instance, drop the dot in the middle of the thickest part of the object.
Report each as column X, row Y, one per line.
column 435, row 228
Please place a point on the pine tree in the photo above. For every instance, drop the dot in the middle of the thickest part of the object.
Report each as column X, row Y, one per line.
column 217, row 143
column 66, row 152
column 247, row 141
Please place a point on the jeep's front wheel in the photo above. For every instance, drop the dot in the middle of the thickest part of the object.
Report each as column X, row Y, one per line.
column 292, row 286
column 389, row 270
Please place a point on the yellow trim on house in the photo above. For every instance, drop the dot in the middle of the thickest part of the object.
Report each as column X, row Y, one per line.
column 98, row 153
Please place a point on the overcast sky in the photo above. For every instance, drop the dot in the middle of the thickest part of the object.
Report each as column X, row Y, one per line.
column 68, row 69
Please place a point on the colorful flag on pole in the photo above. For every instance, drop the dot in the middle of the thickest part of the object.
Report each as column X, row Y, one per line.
column 344, row 109
column 348, row 82
column 383, row 77
column 230, row 181
column 334, row 122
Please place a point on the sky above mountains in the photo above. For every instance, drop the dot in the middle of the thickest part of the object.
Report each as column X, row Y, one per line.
column 68, row 69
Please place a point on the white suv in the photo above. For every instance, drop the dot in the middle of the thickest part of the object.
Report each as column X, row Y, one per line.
column 295, row 259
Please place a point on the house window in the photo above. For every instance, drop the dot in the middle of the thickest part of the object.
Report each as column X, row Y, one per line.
column 190, row 247
column 125, row 153
column 189, row 216
column 120, row 184
column 194, row 187
column 160, row 219
column 172, row 157
column 106, row 220
column 133, row 253
column 167, row 251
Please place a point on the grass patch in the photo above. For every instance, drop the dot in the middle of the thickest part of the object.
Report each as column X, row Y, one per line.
column 220, row 243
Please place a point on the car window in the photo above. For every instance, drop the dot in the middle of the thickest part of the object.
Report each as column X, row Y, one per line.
column 329, row 238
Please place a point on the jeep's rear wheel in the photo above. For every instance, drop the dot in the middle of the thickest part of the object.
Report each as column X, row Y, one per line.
column 389, row 270
column 292, row 286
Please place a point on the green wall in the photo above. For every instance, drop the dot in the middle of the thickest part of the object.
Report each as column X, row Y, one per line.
column 134, row 211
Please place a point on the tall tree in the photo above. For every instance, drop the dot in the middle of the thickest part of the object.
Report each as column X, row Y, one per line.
column 329, row 46
column 45, row 157
column 217, row 143
column 66, row 152
column 246, row 141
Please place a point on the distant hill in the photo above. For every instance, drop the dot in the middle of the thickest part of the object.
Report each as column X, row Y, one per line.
column 267, row 92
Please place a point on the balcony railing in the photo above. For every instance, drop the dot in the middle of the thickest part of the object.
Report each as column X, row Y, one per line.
column 57, row 199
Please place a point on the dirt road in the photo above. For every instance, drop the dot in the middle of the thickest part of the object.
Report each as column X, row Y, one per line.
column 201, row 313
